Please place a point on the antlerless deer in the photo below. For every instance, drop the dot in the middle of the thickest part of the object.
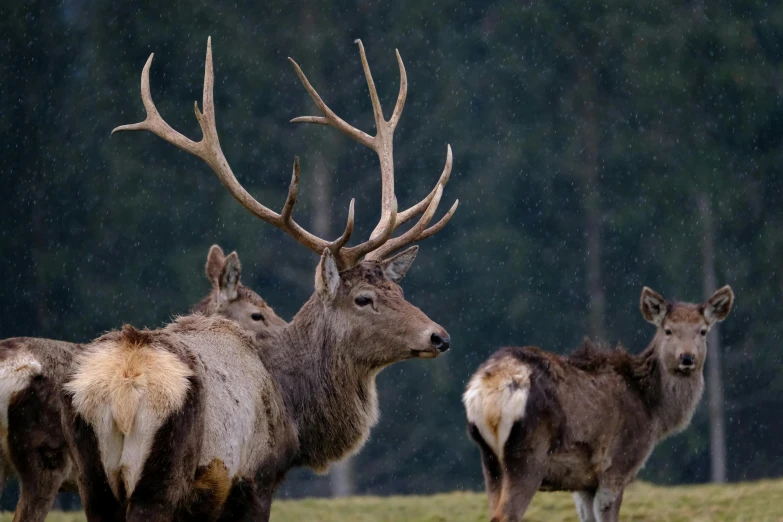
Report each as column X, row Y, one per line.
column 32, row 372
column 208, row 420
column 587, row 423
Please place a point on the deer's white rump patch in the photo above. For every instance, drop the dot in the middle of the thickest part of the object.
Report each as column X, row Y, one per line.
column 15, row 375
column 126, row 390
column 495, row 398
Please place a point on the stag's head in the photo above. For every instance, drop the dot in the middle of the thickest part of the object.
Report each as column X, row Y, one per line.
column 367, row 309
column 681, row 338
column 231, row 299
column 357, row 285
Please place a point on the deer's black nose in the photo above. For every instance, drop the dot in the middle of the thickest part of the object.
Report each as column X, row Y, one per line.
column 687, row 359
column 440, row 342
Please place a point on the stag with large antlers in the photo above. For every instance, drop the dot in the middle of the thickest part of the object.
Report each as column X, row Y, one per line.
column 201, row 421
column 33, row 371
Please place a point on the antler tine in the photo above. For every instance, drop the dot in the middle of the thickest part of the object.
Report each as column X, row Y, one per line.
column 395, row 118
column 329, row 118
column 208, row 150
column 354, row 254
column 377, row 111
column 154, row 122
column 293, row 193
column 415, row 231
column 434, row 229
column 419, row 207
column 342, row 240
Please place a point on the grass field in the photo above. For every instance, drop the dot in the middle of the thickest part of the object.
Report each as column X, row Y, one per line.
column 747, row 502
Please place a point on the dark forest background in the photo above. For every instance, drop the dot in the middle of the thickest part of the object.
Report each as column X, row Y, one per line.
column 599, row 146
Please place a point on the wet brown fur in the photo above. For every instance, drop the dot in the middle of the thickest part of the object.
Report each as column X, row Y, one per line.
column 319, row 405
column 35, row 444
column 591, row 419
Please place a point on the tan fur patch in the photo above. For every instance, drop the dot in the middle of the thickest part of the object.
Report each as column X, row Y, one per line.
column 495, row 398
column 685, row 313
column 125, row 387
column 121, row 374
column 212, row 486
column 15, row 375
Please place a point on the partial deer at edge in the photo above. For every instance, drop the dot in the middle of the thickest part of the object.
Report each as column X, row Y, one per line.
column 213, row 420
column 587, row 423
column 33, row 370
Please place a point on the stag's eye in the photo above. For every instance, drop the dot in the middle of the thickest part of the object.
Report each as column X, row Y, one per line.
column 257, row 317
column 667, row 331
column 362, row 301
column 703, row 332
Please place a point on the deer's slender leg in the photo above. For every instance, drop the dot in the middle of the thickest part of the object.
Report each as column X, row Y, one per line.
column 248, row 501
column 524, row 467
column 38, row 496
column 584, row 505
column 37, row 448
column 171, row 464
column 490, row 465
column 97, row 498
column 606, row 506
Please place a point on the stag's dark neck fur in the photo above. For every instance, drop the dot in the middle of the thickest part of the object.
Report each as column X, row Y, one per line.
column 669, row 398
column 332, row 401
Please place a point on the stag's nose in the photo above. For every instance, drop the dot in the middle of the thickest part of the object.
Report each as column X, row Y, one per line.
column 687, row 359
column 440, row 341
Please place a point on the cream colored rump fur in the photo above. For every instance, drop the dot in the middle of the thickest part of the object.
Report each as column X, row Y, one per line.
column 15, row 374
column 495, row 398
column 125, row 387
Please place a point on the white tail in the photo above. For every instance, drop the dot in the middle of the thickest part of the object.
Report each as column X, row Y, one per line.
column 125, row 387
column 495, row 399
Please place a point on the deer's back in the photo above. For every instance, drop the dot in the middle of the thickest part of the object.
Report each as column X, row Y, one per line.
column 583, row 413
column 244, row 416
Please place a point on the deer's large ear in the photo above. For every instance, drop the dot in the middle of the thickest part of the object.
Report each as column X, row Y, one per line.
column 215, row 261
column 397, row 266
column 229, row 278
column 718, row 306
column 653, row 306
column 327, row 277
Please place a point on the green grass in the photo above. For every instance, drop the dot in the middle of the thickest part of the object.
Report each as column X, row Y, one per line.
column 747, row 502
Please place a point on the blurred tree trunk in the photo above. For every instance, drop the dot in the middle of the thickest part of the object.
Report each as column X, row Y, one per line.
column 714, row 379
column 589, row 143
column 341, row 478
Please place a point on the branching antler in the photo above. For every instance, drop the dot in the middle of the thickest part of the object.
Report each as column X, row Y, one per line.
column 209, row 151
column 382, row 144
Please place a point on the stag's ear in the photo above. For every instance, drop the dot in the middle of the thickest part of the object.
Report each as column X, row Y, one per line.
column 327, row 277
column 397, row 266
column 215, row 262
column 718, row 306
column 653, row 306
column 229, row 278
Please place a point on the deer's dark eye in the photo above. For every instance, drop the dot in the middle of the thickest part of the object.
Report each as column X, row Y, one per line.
column 257, row 317
column 667, row 331
column 703, row 332
column 362, row 301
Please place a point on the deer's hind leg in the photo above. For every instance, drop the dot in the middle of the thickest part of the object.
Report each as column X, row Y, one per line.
column 98, row 500
column 584, row 505
column 607, row 504
column 169, row 469
column 524, row 467
column 37, row 447
column 490, row 466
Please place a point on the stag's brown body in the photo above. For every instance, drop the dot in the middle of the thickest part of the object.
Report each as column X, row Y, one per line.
column 200, row 420
column 33, row 371
column 587, row 422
